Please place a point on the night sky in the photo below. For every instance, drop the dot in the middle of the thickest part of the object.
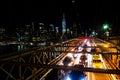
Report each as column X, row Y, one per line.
column 88, row 13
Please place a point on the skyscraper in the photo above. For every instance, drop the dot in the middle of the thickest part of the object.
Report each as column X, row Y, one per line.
column 63, row 24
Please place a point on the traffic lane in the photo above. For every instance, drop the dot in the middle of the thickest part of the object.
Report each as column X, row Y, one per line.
column 99, row 76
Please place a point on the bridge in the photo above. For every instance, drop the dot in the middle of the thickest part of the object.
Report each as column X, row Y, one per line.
column 37, row 63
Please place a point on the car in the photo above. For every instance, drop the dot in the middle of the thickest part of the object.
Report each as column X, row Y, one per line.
column 68, row 61
column 83, row 59
column 76, row 75
column 96, row 61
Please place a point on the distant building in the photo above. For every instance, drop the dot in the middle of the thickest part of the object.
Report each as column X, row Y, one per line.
column 2, row 34
column 28, row 33
column 20, row 34
column 74, row 30
column 52, row 28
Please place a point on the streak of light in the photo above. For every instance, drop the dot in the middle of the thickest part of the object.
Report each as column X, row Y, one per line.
column 89, row 64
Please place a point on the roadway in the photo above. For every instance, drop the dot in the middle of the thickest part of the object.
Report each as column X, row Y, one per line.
column 88, row 63
column 91, row 75
column 98, row 76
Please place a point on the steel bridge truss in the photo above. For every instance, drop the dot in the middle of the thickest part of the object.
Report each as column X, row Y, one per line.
column 48, row 55
column 35, row 64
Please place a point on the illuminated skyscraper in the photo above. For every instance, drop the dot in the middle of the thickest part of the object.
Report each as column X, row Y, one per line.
column 63, row 24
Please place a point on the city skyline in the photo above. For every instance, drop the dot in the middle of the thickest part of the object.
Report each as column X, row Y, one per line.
column 86, row 13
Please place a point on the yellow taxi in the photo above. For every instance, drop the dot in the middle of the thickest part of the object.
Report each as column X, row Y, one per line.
column 96, row 61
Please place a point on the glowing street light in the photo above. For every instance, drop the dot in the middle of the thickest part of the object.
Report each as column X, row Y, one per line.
column 105, row 26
